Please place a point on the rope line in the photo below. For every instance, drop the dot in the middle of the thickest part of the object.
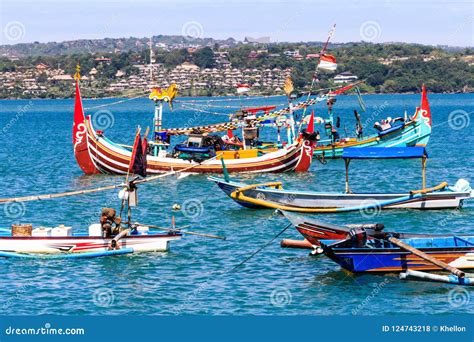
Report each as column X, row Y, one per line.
column 260, row 249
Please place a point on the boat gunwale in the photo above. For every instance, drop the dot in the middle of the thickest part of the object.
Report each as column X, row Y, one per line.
column 87, row 237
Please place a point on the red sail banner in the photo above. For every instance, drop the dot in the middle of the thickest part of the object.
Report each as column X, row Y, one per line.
column 79, row 137
column 425, row 106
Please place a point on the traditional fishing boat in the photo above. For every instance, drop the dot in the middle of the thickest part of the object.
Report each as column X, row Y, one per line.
column 95, row 153
column 272, row 195
column 403, row 131
column 385, row 255
column 314, row 231
column 111, row 235
column 368, row 248
column 140, row 240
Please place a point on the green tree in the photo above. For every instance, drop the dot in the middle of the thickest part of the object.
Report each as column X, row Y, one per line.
column 204, row 58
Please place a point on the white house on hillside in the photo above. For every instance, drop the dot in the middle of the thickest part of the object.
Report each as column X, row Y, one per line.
column 344, row 77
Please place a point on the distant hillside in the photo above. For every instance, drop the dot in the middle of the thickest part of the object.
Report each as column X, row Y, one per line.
column 106, row 45
column 205, row 66
column 116, row 45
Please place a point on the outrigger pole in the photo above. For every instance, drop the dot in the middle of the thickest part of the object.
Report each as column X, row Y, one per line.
column 99, row 189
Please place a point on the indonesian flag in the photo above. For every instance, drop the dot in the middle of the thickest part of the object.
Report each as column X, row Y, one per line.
column 243, row 88
column 327, row 62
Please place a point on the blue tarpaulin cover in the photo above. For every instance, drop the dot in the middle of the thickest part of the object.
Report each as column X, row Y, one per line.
column 383, row 152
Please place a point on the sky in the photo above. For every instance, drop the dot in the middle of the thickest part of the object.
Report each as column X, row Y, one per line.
column 435, row 22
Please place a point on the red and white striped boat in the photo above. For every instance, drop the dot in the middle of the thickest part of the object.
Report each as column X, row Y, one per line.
column 97, row 154
column 82, row 243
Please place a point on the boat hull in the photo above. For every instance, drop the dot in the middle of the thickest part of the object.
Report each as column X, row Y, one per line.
column 415, row 132
column 112, row 158
column 81, row 244
column 411, row 134
column 301, row 200
column 315, row 231
column 398, row 260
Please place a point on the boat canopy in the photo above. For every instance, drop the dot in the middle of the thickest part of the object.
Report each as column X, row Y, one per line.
column 384, row 153
column 417, row 152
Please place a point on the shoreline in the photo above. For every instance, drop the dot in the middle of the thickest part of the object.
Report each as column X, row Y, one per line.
column 214, row 96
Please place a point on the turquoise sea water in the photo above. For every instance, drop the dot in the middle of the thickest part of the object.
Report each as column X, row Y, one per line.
column 196, row 276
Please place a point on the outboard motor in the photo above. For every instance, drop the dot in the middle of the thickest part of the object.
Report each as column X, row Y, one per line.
column 314, row 137
column 358, row 237
column 462, row 185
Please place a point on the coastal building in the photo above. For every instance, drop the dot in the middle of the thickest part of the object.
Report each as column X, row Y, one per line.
column 312, row 56
column 292, row 53
column 253, row 54
column 345, row 77
column 188, row 76
column 103, row 60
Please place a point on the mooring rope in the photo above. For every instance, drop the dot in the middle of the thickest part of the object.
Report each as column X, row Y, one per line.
column 260, row 249
column 116, row 102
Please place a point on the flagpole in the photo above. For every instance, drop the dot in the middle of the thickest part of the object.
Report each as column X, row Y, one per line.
column 130, row 164
column 315, row 74
column 323, row 50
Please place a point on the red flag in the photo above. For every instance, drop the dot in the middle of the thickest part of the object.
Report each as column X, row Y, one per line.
column 343, row 89
column 138, row 160
column 425, row 106
column 242, row 88
column 327, row 62
column 145, row 152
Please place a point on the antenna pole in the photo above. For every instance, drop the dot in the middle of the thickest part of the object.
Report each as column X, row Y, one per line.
column 151, row 60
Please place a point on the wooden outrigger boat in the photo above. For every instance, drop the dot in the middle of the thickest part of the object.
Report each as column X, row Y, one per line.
column 314, row 231
column 85, row 243
column 97, row 154
column 273, row 196
column 399, row 132
column 361, row 248
column 385, row 255
column 110, row 236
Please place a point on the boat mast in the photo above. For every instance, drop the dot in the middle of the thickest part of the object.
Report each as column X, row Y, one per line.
column 151, row 61
column 315, row 74
column 157, row 122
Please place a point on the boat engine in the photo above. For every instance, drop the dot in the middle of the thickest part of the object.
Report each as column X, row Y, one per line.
column 198, row 148
column 462, row 185
column 314, row 137
column 358, row 237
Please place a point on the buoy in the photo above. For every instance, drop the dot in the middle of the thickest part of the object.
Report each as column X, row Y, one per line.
column 176, row 207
